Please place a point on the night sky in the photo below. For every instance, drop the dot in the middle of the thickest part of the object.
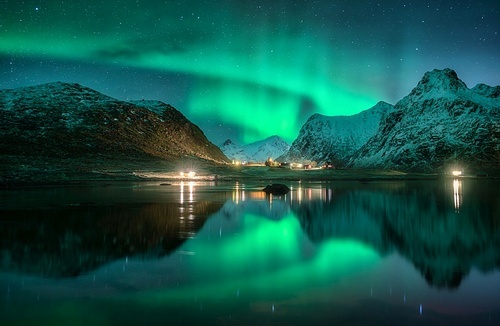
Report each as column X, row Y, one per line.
column 243, row 69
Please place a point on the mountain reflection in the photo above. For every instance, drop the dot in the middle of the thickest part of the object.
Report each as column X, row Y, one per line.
column 444, row 229
column 73, row 240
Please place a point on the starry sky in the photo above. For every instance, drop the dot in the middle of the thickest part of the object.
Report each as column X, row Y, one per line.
column 246, row 70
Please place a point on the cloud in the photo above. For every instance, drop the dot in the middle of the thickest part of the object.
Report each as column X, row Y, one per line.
column 164, row 43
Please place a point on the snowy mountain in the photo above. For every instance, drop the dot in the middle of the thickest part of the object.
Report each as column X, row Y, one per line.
column 439, row 125
column 335, row 139
column 69, row 121
column 233, row 151
column 258, row 151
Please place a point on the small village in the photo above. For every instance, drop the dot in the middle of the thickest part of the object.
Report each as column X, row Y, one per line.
column 305, row 165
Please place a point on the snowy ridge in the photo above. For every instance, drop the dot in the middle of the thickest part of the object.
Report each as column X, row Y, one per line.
column 233, row 151
column 66, row 100
column 259, row 151
column 157, row 107
column 440, row 124
column 52, row 94
column 335, row 138
column 69, row 120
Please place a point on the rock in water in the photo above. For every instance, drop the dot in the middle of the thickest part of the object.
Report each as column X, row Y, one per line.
column 276, row 189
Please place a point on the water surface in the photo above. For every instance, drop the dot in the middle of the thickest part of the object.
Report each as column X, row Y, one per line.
column 345, row 253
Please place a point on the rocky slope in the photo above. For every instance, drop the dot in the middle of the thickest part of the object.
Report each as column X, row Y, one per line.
column 69, row 121
column 335, row 139
column 232, row 150
column 439, row 125
column 259, row 151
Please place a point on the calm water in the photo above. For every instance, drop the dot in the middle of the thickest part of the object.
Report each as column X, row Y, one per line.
column 381, row 253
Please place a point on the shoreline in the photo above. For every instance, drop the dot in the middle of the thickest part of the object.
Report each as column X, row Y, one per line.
column 254, row 174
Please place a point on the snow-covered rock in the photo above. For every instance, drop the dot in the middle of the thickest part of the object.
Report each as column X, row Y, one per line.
column 439, row 125
column 233, row 151
column 72, row 121
column 335, row 138
column 259, row 151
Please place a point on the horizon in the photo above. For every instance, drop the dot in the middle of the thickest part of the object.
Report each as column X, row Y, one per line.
column 236, row 142
column 246, row 71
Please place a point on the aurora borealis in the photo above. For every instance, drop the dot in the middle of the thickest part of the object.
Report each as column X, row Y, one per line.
column 247, row 70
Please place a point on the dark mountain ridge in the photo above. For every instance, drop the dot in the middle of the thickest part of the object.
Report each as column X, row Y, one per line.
column 69, row 121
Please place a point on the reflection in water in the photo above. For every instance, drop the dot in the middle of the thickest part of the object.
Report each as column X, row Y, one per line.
column 411, row 218
column 238, row 193
column 334, row 253
column 71, row 240
column 421, row 224
column 191, row 190
column 299, row 193
column 457, row 194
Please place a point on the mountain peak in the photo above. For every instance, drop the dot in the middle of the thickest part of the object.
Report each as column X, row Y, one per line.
column 487, row 91
column 258, row 151
column 61, row 84
column 382, row 104
column 335, row 138
column 440, row 123
column 65, row 87
column 55, row 94
column 71, row 121
column 227, row 142
column 276, row 139
column 439, row 81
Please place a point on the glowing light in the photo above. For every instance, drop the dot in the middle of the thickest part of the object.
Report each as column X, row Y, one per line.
column 236, row 194
column 456, row 173
column 182, row 195
column 191, row 191
column 189, row 174
column 457, row 194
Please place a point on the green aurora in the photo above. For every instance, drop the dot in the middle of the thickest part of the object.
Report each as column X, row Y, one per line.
column 261, row 67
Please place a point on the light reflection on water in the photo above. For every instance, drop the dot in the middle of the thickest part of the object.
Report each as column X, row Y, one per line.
column 206, row 253
column 457, row 194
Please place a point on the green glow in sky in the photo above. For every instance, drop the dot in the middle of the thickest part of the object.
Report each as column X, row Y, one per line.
column 256, row 75
column 261, row 68
column 262, row 91
column 239, row 103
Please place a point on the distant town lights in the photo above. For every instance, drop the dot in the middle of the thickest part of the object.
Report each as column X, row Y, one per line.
column 190, row 174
